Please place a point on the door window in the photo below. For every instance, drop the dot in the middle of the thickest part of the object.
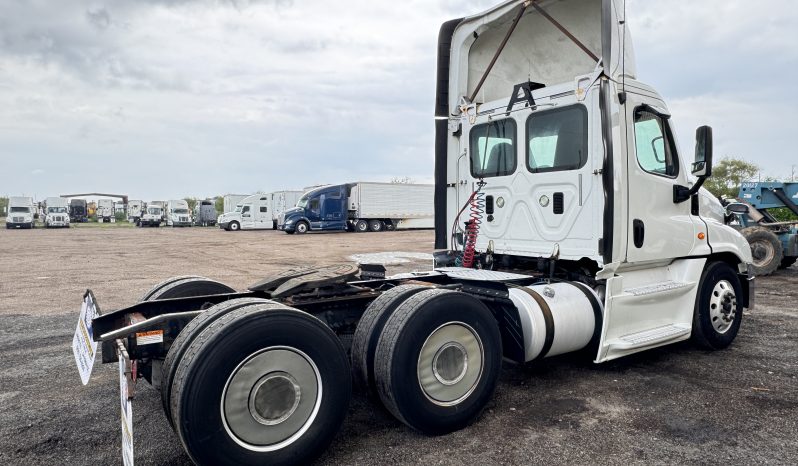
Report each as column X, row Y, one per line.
column 654, row 144
column 557, row 139
column 314, row 205
column 263, row 209
column 493, row 149
column 245, row 210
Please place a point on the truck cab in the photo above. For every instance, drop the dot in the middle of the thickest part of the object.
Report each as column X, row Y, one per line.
column 573, row 164
column 323, row 208
column 151, row 216
column 105, row 211
column 20, row 213
column 252, row 213
column 56, row 214
column 178, row 214
column 133, row 213
column 78, row 211
column 205, row 213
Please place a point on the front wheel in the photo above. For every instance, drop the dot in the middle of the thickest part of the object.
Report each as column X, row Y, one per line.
column 261, row 385
column 234, row 226
column 301, row 228
column 718, row 308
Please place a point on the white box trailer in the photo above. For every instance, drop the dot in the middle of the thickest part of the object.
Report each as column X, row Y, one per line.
column 282, row 201
column 20, row 213
column 409, row 205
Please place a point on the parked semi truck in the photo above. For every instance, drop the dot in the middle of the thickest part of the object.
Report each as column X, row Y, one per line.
column 361, row 207
column 774, row 244
column 134, row 210
column 105, row 211
column 205, row 213
column 56, row 212
column 259, row 211
column 21, row 211
column 78, row 211
column 178, row 214
column 151, row 215
column 594, row 237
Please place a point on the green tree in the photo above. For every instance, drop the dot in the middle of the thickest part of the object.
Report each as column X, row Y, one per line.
column 728, row 174
column 218, row 202
column 192, row 202
column 3, row 206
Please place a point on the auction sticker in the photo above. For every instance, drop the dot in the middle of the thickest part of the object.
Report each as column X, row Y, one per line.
column 83, row 345
column 126, row 413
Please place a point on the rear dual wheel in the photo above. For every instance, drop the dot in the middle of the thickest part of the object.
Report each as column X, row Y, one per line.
column 261, row 384
column 437, row 360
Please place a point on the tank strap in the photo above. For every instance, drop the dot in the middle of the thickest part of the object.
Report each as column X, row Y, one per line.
column 597, row 312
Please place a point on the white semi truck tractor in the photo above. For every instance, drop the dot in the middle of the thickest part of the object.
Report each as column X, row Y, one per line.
column 21, row 211
column 567, row 219
column 56, row 212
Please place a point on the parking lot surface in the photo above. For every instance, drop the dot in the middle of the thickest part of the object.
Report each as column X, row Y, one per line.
column 676, row 404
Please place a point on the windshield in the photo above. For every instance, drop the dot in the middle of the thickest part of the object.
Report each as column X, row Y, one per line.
column 238, row 208
column 56, row 210
column 303, row 201
column 21, row 210
column 154, row 211
column 180, row 211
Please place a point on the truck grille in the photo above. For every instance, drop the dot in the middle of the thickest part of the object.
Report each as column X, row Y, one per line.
column 184, row 219
column 16, row 219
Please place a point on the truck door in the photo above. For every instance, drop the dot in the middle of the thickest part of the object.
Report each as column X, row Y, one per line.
column 333, row 207
column 246, row 217
column 313, row 212
column 658, row 228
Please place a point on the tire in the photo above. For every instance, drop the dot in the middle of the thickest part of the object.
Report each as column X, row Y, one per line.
column 766, row 249
column 234, row 226
column 390, row 226
column 288, row 232
column 301, row 227
column 413, row 391
column 787, row 262
column 226, row 364
column 185, row 286
column 361, row 226
column 367, row 334
column 184, row 339
column 376, row 226
column 718, row 308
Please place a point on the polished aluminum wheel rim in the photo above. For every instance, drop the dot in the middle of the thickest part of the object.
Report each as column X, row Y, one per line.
column 271, row 398
column 450, row 363
column 722, row 306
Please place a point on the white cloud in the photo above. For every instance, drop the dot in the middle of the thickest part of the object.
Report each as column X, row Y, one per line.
column 164, row 98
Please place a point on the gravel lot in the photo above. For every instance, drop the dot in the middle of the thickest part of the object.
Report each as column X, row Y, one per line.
column 676, row 404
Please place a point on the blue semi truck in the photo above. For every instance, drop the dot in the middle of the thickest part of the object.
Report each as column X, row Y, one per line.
column 361, row 207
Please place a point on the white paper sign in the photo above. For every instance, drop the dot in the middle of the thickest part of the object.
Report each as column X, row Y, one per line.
column 126, row 415
column 83, row 345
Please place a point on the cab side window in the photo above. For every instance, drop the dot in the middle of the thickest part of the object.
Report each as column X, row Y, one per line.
column 493, row 149
column 245, row 210
column 557, row 139
column 654, row 146
column 264, row 209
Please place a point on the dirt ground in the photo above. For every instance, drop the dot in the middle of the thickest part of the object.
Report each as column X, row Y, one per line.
column 676, row 404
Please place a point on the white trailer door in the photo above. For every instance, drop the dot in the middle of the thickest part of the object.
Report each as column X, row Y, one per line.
column 658, row 228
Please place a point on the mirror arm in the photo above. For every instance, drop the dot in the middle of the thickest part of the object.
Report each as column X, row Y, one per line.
column 683, row 193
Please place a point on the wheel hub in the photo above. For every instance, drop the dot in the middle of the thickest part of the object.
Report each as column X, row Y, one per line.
column 450, row 363
column 271, row 398
column 722, row 306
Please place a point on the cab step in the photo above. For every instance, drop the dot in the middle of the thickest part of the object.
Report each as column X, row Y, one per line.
column 653, row 337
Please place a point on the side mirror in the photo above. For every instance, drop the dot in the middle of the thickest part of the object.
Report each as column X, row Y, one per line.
column 702, row 167
column 737, row 208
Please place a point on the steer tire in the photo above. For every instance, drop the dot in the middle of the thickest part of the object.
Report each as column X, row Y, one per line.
column 766, row 249
column 301, row 227
column 186, row 336
column 234, row 226
column 716, row 321
column 367, row 334
column 216, row 402
column 417, row 384
column 186, row 286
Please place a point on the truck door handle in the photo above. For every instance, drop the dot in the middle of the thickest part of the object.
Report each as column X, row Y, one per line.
column 639, row 233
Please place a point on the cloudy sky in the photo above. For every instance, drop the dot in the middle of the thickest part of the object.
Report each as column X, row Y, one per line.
column 168, row 98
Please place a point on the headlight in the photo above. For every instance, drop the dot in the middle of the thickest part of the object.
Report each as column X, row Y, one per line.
column 289, row 221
